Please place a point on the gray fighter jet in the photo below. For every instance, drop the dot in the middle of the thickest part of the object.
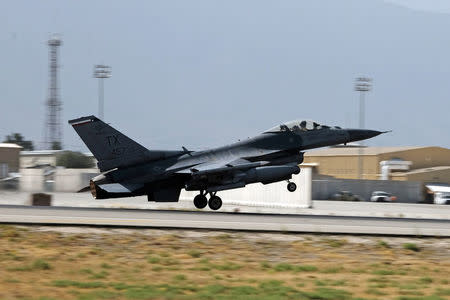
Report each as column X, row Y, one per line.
column 129, row 169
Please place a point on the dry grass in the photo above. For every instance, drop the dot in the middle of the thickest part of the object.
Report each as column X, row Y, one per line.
column 84, row 263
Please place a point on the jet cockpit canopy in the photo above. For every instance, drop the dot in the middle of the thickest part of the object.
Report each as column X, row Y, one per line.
column 297, row 126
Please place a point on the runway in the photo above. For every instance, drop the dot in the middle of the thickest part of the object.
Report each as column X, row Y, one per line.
column 222, row 221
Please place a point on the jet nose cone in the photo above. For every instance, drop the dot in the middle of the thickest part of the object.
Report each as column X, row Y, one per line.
column 362, row 134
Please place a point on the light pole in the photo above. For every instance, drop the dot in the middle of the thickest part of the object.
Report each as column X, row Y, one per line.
column 101, row 72
column 362, row 85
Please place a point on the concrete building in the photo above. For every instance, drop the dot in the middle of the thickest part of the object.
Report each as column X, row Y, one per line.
column 427, row 164
column 439, row 174
column 9, row 158
column 39, row 158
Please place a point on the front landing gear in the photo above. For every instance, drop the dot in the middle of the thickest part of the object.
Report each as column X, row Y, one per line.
column 291, row 187
column 200, row 201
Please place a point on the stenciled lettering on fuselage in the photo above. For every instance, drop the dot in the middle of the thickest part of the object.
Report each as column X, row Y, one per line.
column 114, row 142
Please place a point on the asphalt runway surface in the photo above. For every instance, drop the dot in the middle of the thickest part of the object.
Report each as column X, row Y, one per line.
column 320, row 207
column 223, row 221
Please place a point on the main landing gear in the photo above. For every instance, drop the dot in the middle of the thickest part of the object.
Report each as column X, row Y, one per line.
column 214, row 202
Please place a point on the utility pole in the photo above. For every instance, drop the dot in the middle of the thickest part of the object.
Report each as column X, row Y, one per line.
column 101, row 72
column 362, row 85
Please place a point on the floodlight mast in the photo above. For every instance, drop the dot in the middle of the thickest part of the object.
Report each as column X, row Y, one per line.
column 53, row 127
column 101, row 72
column 362, row 85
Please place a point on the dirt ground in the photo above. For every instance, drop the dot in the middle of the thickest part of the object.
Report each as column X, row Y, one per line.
column 48, row 262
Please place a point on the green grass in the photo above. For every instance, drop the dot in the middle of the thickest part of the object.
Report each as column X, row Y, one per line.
column 305, row 268
column 329, row 294
column 179, row 277
column 432, row 297
column 170, row 261
column 282, row 267
column 442, row 292
column 153, row 259
column 40, row 264
column 106, row 266
column 375, row 292
column 98, row 294
column 425, row 280
column 226, row 266
column 164, row 254
column 99, row 275
column 265, row 265
column 411, row 246
column 332, row 270
column 383, row 244
column 408, row 286
column 194, row 253
column 78, row 284
column 383, row 272
column 286, row 267
column 271, row 289
column 336, row 243
column 329, row 282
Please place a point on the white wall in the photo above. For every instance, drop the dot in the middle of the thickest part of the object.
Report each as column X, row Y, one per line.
column 270, row 195
column 65, row 180
column 72, row 180
column 31, row 180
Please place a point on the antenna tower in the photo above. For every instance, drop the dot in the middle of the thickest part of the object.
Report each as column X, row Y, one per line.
column 53, row 131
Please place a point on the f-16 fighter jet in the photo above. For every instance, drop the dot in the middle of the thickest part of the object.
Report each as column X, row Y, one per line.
column 129, row 169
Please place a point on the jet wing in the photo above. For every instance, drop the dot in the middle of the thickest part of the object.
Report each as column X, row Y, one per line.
column 210, row 168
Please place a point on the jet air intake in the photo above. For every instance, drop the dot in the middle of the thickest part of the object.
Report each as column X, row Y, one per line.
column 271, row 174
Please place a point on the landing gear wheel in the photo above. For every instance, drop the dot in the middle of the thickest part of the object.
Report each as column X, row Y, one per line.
column 291, row 187
column 200, row 201
column 215, row 202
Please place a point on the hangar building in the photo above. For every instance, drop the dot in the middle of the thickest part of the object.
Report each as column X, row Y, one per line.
column 424, row 164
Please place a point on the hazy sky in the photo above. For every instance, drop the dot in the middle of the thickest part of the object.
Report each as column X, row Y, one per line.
column 441, row 6
column 203, row 73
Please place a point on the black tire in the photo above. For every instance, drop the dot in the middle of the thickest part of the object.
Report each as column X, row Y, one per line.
column 291, row 187
column 200, row 201
column 215, row 202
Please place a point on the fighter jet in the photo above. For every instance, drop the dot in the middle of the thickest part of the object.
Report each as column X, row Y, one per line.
column 129, row 169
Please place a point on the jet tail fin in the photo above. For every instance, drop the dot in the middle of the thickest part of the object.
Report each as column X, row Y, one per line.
column 112, row 148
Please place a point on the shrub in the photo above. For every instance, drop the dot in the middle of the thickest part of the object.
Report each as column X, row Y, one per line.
column 195, row 253
column 73, row 160
column 41, row 264
column 179, row 277
column 411, row 246
column 383, row 244
column 153, row 259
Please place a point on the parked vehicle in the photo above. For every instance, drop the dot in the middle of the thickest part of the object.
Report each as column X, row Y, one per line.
column 346, row 196
column 442, row 198
column 380, row 196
